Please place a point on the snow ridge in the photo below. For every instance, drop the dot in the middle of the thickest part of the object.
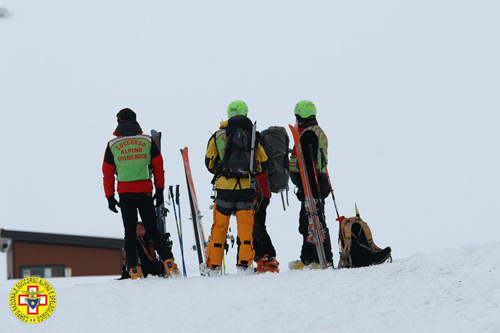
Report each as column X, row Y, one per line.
column 451, row 291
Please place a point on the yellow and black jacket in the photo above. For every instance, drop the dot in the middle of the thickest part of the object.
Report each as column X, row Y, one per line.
column 215, row 155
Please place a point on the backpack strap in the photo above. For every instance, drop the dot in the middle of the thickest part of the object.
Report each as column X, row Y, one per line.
column 345, row 238
column 369, row 236
column 146, row 250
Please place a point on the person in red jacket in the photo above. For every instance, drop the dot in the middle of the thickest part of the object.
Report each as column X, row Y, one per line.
column 134, row 158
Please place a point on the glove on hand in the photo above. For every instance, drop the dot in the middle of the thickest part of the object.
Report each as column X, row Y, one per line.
column 112, row 203
column 300, row 194
column 160, row 199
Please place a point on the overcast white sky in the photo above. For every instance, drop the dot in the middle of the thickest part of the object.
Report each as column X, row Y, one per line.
column 408, row 93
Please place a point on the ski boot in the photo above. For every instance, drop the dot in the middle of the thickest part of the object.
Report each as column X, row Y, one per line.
column 171, row 269
column 267, row 264
column 135, row 273
column 210, row 271
column 300, row 265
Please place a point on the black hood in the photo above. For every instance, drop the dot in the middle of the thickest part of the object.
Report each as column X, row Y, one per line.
column 311, row 121
column 128, row 128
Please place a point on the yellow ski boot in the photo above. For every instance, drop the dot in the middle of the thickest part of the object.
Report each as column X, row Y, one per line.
column 300, row 265
column 135, row 273
column 171, row 269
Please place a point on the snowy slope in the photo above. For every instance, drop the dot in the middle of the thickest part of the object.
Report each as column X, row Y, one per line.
column 452, row 291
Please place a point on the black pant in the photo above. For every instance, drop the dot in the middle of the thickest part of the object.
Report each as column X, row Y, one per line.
column 309, row 253
column 143, row 202
column 231, row 201
column 261, row 241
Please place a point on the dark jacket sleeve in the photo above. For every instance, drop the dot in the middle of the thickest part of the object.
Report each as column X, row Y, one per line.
column 309, row 143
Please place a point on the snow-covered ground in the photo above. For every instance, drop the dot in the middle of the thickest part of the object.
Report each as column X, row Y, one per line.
column 451, row 291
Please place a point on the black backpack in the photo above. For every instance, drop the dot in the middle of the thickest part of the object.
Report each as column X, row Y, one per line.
column 236, row 163
column 276, row 142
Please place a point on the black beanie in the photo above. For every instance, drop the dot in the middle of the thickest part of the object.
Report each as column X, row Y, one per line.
column 126, row 114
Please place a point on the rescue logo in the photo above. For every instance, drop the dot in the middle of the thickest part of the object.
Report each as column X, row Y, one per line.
column 32, row 300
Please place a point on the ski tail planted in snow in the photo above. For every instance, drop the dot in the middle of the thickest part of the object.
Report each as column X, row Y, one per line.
column 196, row 216
column 316, row 231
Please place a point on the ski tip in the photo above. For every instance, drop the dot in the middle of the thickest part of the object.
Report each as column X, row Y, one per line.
column 357, row 211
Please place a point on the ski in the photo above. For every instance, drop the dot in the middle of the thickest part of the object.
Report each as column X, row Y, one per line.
column 316, row 232
column 199, row 235
column 161, row 211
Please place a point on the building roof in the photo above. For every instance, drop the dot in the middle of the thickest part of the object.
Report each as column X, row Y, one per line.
column 58, row 239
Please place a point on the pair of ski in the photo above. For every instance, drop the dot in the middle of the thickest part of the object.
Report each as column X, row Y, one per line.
column 317, row 235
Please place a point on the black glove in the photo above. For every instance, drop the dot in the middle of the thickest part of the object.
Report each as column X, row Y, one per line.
column 112, row 203
column 160, row 199
column 300, row 194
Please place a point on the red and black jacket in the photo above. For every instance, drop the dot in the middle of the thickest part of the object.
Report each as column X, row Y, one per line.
column 130, row 128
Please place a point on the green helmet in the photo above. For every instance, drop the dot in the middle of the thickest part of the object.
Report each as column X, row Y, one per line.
column 305, row 109
column 237, row 108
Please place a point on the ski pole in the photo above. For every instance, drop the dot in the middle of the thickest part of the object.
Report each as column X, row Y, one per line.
column 177, row 201
column 179, row 231
column 325, row 165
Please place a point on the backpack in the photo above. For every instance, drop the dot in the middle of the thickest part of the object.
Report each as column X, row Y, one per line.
column 357, row 248
column 236, row 162
column 150, row 264
column 276, row 144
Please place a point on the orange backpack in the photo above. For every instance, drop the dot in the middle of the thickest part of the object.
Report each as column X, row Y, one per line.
column 354, row 229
